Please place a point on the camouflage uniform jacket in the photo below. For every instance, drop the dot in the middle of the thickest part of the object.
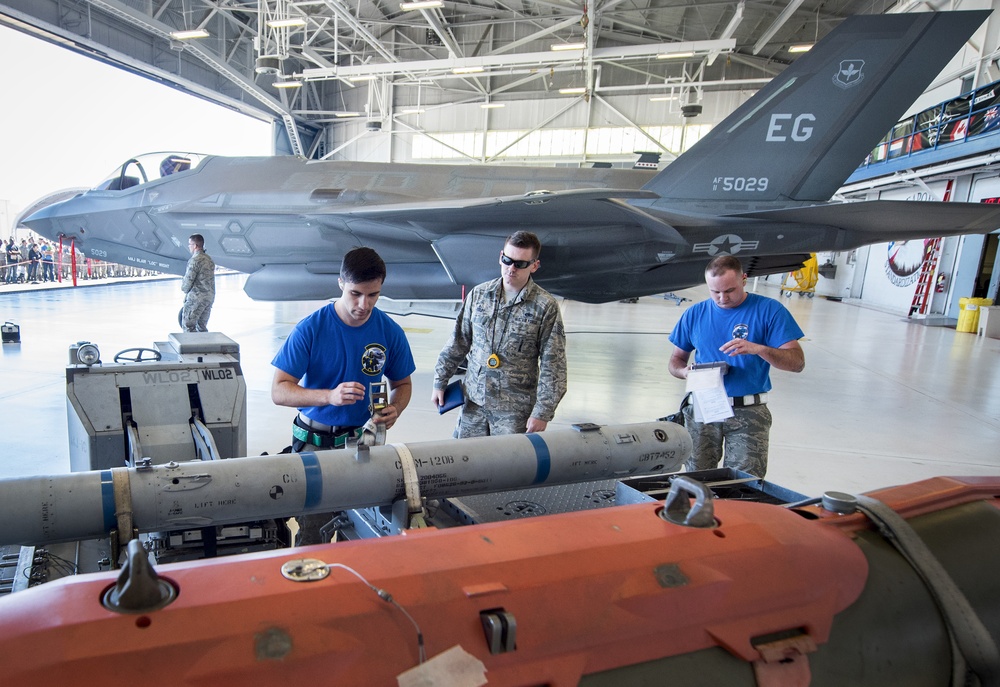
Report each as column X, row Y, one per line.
column 528, row 337
column 199, row 279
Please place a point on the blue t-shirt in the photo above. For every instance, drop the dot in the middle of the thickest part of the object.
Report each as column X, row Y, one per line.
column 323, row 352
column 705, row 327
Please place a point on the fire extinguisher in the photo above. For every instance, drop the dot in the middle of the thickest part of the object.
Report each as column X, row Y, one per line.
column 941, row 284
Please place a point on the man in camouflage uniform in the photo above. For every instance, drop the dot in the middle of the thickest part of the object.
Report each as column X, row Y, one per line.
column 199, row 286
column 512, row 332
column 750, row 333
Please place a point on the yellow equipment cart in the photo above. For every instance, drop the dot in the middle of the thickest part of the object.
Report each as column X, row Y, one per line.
column 803, row 281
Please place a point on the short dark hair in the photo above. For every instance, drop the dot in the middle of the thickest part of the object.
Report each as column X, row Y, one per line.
column 525, row 239
column 198, row 239
column 361, row 265
column 724, row 263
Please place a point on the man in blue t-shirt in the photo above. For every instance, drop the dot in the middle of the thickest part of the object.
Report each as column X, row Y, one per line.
column 751, row 334
column 329, row 360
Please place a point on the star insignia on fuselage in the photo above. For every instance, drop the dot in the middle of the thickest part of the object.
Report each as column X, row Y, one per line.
column 726, row 244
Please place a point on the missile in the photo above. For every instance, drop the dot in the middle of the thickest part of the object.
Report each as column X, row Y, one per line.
column 172, row 496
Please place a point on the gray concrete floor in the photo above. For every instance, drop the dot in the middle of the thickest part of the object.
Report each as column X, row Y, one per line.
column 881, row 401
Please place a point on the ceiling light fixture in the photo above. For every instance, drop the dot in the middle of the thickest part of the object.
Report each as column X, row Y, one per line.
column 467, row 70
column 291, row 83
column 289, row 23
column 189, row 34
column 673, row 55
column 578, row 90
column 662, row 98
column 346, row 114
column 420, row 5
column 362, row 77
column 800, row 48
column 411, row 111
column 492, row 106
column 567, row 46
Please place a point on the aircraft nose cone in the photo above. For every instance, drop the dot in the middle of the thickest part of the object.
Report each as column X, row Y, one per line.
column 40, row 216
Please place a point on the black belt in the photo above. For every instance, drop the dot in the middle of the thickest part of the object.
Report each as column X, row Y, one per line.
column 305, row 421
column 749, row 400
column 314, row 434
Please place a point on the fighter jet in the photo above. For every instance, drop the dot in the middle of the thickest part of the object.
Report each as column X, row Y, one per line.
column 757, row 186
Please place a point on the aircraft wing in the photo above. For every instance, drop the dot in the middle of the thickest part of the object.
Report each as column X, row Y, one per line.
column 466, row 229
column 533, row 199
column 572, row 208
column 891, row 220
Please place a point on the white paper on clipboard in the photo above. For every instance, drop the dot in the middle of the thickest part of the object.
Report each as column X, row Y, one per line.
column 708, row 395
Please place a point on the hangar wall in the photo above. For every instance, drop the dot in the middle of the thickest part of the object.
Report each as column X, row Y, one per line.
column 885, row 275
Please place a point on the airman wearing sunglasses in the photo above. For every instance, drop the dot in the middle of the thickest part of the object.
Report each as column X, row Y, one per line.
column 512, row 333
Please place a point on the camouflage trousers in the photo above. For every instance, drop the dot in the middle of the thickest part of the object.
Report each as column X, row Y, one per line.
column 476, row 421
column 744, row 436
column 196, row 313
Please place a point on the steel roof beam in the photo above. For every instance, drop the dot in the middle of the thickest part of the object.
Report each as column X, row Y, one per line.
column 542, row 59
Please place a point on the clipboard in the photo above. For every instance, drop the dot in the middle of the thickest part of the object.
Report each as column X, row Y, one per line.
column 454, row 396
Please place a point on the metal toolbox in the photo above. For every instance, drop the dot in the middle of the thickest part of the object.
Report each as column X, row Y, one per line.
column 11, row 332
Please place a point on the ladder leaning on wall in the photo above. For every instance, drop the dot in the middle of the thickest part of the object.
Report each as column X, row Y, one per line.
column 922, row 296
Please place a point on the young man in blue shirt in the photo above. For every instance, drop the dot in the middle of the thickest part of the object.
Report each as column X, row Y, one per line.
column 751, row 334
column 328, row 362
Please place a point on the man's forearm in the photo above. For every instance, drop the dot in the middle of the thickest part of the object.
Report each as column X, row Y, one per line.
column 444, row 369
column 294, row 396
column 399, row 396
column 677, row 366
column 787, row 359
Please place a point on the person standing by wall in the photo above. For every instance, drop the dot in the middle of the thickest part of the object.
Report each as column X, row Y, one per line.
column 34, row 258
column 198, row 286
column 48, row 264
column 750, row 333
column 512, row 332
column 13, row 257
column 22, row 268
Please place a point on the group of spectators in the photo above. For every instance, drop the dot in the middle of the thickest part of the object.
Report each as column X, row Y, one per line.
column 29, row 261
column 36, row 261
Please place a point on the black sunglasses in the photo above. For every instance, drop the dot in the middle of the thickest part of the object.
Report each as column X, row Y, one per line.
column 519, row 264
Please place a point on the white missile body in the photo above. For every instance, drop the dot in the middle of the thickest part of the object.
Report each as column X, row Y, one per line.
column 172, row 496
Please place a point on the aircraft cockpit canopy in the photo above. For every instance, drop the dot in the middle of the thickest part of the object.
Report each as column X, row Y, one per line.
column 149, row 167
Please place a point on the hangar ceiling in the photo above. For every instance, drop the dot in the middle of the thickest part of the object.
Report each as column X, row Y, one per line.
column 325, row 50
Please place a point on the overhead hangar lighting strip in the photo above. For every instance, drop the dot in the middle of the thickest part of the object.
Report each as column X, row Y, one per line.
column 536, row 58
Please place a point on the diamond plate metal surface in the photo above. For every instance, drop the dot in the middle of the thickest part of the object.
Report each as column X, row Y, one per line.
column 527, row 503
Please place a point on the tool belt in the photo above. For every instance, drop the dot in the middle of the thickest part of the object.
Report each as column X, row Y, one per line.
column 337, row 437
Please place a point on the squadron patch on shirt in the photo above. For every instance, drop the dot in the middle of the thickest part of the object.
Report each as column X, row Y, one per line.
column 373, row 359
column 741, row 331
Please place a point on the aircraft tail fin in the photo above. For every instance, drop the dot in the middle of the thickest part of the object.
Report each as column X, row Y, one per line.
column 802, row 135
